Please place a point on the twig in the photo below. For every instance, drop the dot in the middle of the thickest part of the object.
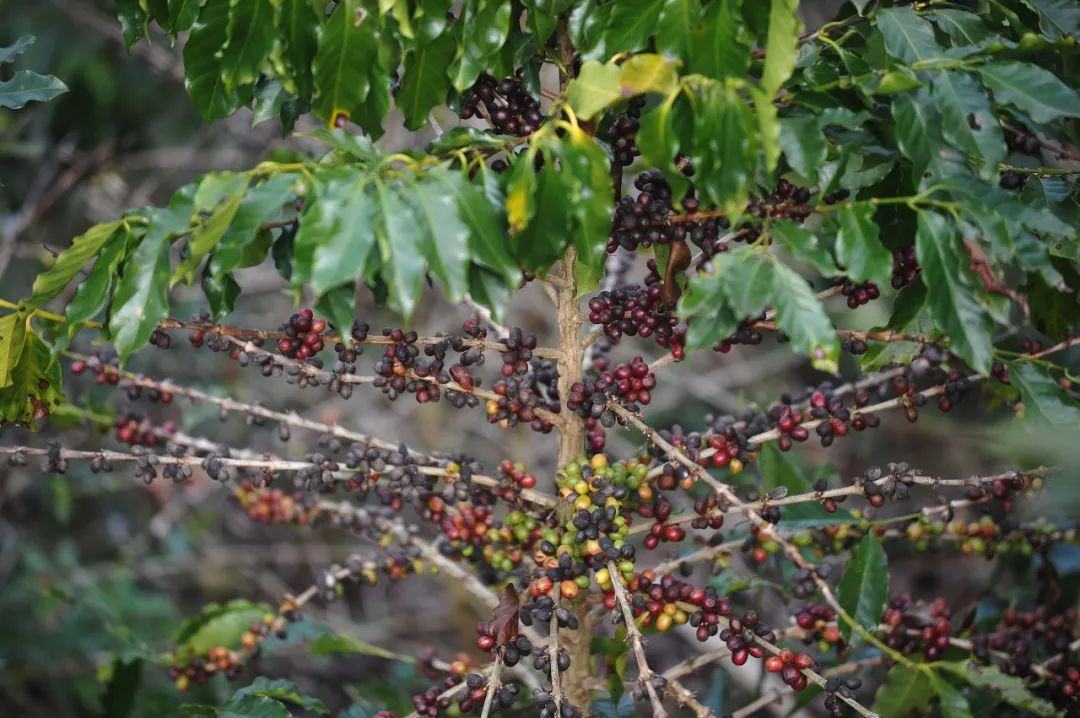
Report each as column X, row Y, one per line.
column 493, row 685
column 645, row 674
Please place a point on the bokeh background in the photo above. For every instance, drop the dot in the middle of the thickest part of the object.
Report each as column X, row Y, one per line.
column 97, row 566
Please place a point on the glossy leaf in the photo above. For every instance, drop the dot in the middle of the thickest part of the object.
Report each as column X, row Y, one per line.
column 802, row 143
column 587, row 189
column 25, row 86
column 487, row 226
column 249, row 36
column 183, row 13
column 132, row 17
column 425, row 81
column 217, row 625
column 446, row 236
column 485, row 26
column 968, row 120
column 208, row 232
column 1060, row 18
column 917, row 129
column 804, row 246
column 781, row 45
column 951, row 700
column 719, row 44
column 906, row 691
column 141, row 300
column 344, row 62
column 16, row 48
column 648, row 73
column 595, row 88
column 631, row 24
column 34, row 388
column 253, row 706
column 954, row 308
column 748, row 283
column 858, row 247
column 1010, row 689
column 400, row 244
column 202, row 66
column 908, row 37
column 70, row 261
column 259, row 204
column 1031, row 89
column 1042, row 396
column 800, row 315
column 122, row 690
column 864, row 588
column 281, row 690
column 12, row 343
column 92, row 294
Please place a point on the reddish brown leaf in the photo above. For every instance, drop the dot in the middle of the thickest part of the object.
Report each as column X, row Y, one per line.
column 504, row 622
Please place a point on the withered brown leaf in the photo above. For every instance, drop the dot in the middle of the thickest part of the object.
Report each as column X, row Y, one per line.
column 504, row 622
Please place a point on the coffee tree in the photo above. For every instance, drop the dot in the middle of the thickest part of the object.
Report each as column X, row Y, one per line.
column 920, row 155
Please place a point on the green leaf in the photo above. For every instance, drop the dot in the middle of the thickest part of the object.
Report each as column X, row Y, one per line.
column 962, row 27
column 858, row 247
column 338, row 305
column 281, row 690
column 777, row 469
column 12, row 342
column 802, row 143
column 296, row 27
column 587, row 24
column 484, row 26
column 250, row 36
column 905, row 690
column 217, row 625
column 69, row 262
column 425, row 82
column 952, row 702
column 725, row 147
column 16, row 48
column 648, row 73
column 221, row 291
column 25, row 86
column 897, row 81
column 207, row 233
column 781, row 45
column 659, row 143
column 141, row 299
column 487, row 225
column 968, row 120
column 344, row 62
column 585, row 176
column 908, row 37
column 631, row 24
column 543, row 16
column 446, row 236
column 330, row 644
column 719, row 44
column 259, row 204
column 595, row 88
column 864, row 588
column 917, row 130
column 748, row 284
column 182, row 14
column 673, row 27
column 1031, row 89
column 122, row 688
column 341, row 254
column 803, row 246
column 1042, row 396
column 202, row 64
column 400, row 244
column 132, row 17
column 92, row 293
column 952, row 305
column 1060, row 18
column 800, row 315
column 768, row 126
column 253, row 706
column 35, row 387
column 1009, row 689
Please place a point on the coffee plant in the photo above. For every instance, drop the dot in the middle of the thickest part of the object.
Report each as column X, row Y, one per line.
column 682, row 179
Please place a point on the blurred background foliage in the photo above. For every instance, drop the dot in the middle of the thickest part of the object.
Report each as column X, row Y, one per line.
column 96, row 573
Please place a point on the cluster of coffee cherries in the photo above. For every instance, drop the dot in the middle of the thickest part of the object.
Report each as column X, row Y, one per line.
column 200, row 669
column 623, row 132
column 643, row 221
column 303, row 335
column 630, row 382
column 274, row 506
column 135, row 428
column 914, row 625
column 517, row 402
column 905, row 269
column 102, row 363
column 635, row 310
column 790, row 665
column 597, row 491
column 818, row 621
column 857, row 294
column 837, row 689
column 508, row 105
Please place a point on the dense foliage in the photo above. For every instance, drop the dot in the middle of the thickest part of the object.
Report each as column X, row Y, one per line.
column 921, row 155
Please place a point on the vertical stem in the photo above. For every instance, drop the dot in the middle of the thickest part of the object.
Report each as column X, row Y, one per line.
column 571, row 446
